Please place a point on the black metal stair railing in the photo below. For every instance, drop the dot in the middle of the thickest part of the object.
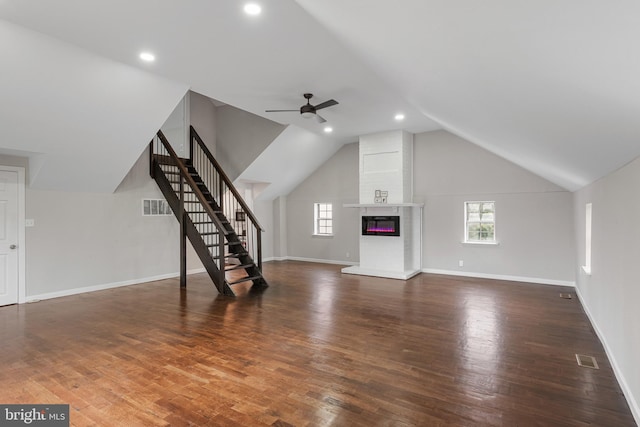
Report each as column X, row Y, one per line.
column 197, row 217
column 213, row 216
column 235, row 209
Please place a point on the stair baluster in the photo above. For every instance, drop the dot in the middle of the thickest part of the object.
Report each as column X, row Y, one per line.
column 209, row 219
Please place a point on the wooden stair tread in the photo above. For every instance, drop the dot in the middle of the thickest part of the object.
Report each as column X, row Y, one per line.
column 197, row 212
column 245, row 279
column 211, row 245
column 231, row 267
column 229, row 256
column 231, row 249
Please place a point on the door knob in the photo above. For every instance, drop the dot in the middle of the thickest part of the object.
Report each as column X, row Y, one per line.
column 12, row 247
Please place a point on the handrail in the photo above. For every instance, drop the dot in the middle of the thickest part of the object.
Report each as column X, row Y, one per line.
column 229, row 217
column 187, row 177
column 225, row 178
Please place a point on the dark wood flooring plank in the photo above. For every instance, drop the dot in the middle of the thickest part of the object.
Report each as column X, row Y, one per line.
column 315, row 348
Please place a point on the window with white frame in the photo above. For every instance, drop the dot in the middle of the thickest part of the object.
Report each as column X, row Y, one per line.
column 322, row 219
column 480, row 222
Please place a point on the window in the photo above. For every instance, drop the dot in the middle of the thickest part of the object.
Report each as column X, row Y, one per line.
column 322, row 219
column 480, row 222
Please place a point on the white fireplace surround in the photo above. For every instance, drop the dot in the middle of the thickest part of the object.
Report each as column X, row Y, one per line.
column 386, row 166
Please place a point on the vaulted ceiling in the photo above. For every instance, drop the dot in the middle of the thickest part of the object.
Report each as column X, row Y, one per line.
column 551, row 86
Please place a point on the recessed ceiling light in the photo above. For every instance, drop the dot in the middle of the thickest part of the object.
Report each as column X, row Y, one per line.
column 328, row 129
column 147, row 56
column 399, row 117
column 252, row 9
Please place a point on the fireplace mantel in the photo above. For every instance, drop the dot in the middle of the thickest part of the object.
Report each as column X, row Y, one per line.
column 386, row 174
column 392, row 257
column 383, row 205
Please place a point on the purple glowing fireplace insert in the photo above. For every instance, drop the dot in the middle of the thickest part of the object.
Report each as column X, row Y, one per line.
column 380, row 225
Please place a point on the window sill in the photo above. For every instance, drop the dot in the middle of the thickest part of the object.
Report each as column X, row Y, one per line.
column 587, row 270
column 481, row 243
column 322, row 235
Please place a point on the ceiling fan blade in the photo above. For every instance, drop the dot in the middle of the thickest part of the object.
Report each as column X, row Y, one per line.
column 320, row 119
column 279, row 111
column 326, row 104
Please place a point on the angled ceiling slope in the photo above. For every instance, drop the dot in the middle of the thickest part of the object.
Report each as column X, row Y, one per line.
column 82, row 119
column 251, row 63
column 285, row 163
column 552, row 86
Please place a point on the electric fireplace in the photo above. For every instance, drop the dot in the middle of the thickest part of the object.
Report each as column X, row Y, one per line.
column 380, row 225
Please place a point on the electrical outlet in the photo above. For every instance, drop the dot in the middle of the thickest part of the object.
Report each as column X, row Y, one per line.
column 29, row 222
column 461, row 263
column 348, row 255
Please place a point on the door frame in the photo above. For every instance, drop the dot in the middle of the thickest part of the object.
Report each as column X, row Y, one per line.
column 22, row 289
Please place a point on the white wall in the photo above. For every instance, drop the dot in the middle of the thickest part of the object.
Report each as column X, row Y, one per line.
column 534, row 217
column 610, row 295
column 534, row 220
column 334, row 182
column 241, row 137
column 279, row 222
column 176, row 127
column 84, row 241
column 204, row 119
column 263, row 211
column 90, row 240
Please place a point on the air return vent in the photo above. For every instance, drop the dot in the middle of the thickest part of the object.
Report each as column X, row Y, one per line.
column 587, row 361
column 566, row 296
column 155, row 207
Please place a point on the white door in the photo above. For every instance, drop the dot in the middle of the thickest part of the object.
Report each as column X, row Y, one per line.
column 8, row 237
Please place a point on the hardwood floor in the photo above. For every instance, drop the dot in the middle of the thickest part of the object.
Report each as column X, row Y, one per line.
column 316, row 348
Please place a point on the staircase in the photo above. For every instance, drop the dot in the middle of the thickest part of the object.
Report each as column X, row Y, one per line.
column 221, row 228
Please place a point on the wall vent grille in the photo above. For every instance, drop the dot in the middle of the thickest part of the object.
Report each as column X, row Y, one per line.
column 155, row 207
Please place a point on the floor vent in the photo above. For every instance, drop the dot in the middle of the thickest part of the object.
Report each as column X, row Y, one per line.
column 587, row 361
column 566, row 296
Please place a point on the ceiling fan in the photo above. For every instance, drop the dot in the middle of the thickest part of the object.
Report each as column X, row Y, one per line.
column 307, row 111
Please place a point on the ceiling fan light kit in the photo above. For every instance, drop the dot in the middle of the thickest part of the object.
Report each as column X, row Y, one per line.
column 307, row 110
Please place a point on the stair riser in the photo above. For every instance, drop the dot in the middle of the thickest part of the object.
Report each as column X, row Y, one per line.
column 201, row 228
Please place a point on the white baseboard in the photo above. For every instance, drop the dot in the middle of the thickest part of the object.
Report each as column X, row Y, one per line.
column 403, row 275
column 438, row 271
column 631, row 400
column 105, row 286
column 315, row 260
column 501, row 277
